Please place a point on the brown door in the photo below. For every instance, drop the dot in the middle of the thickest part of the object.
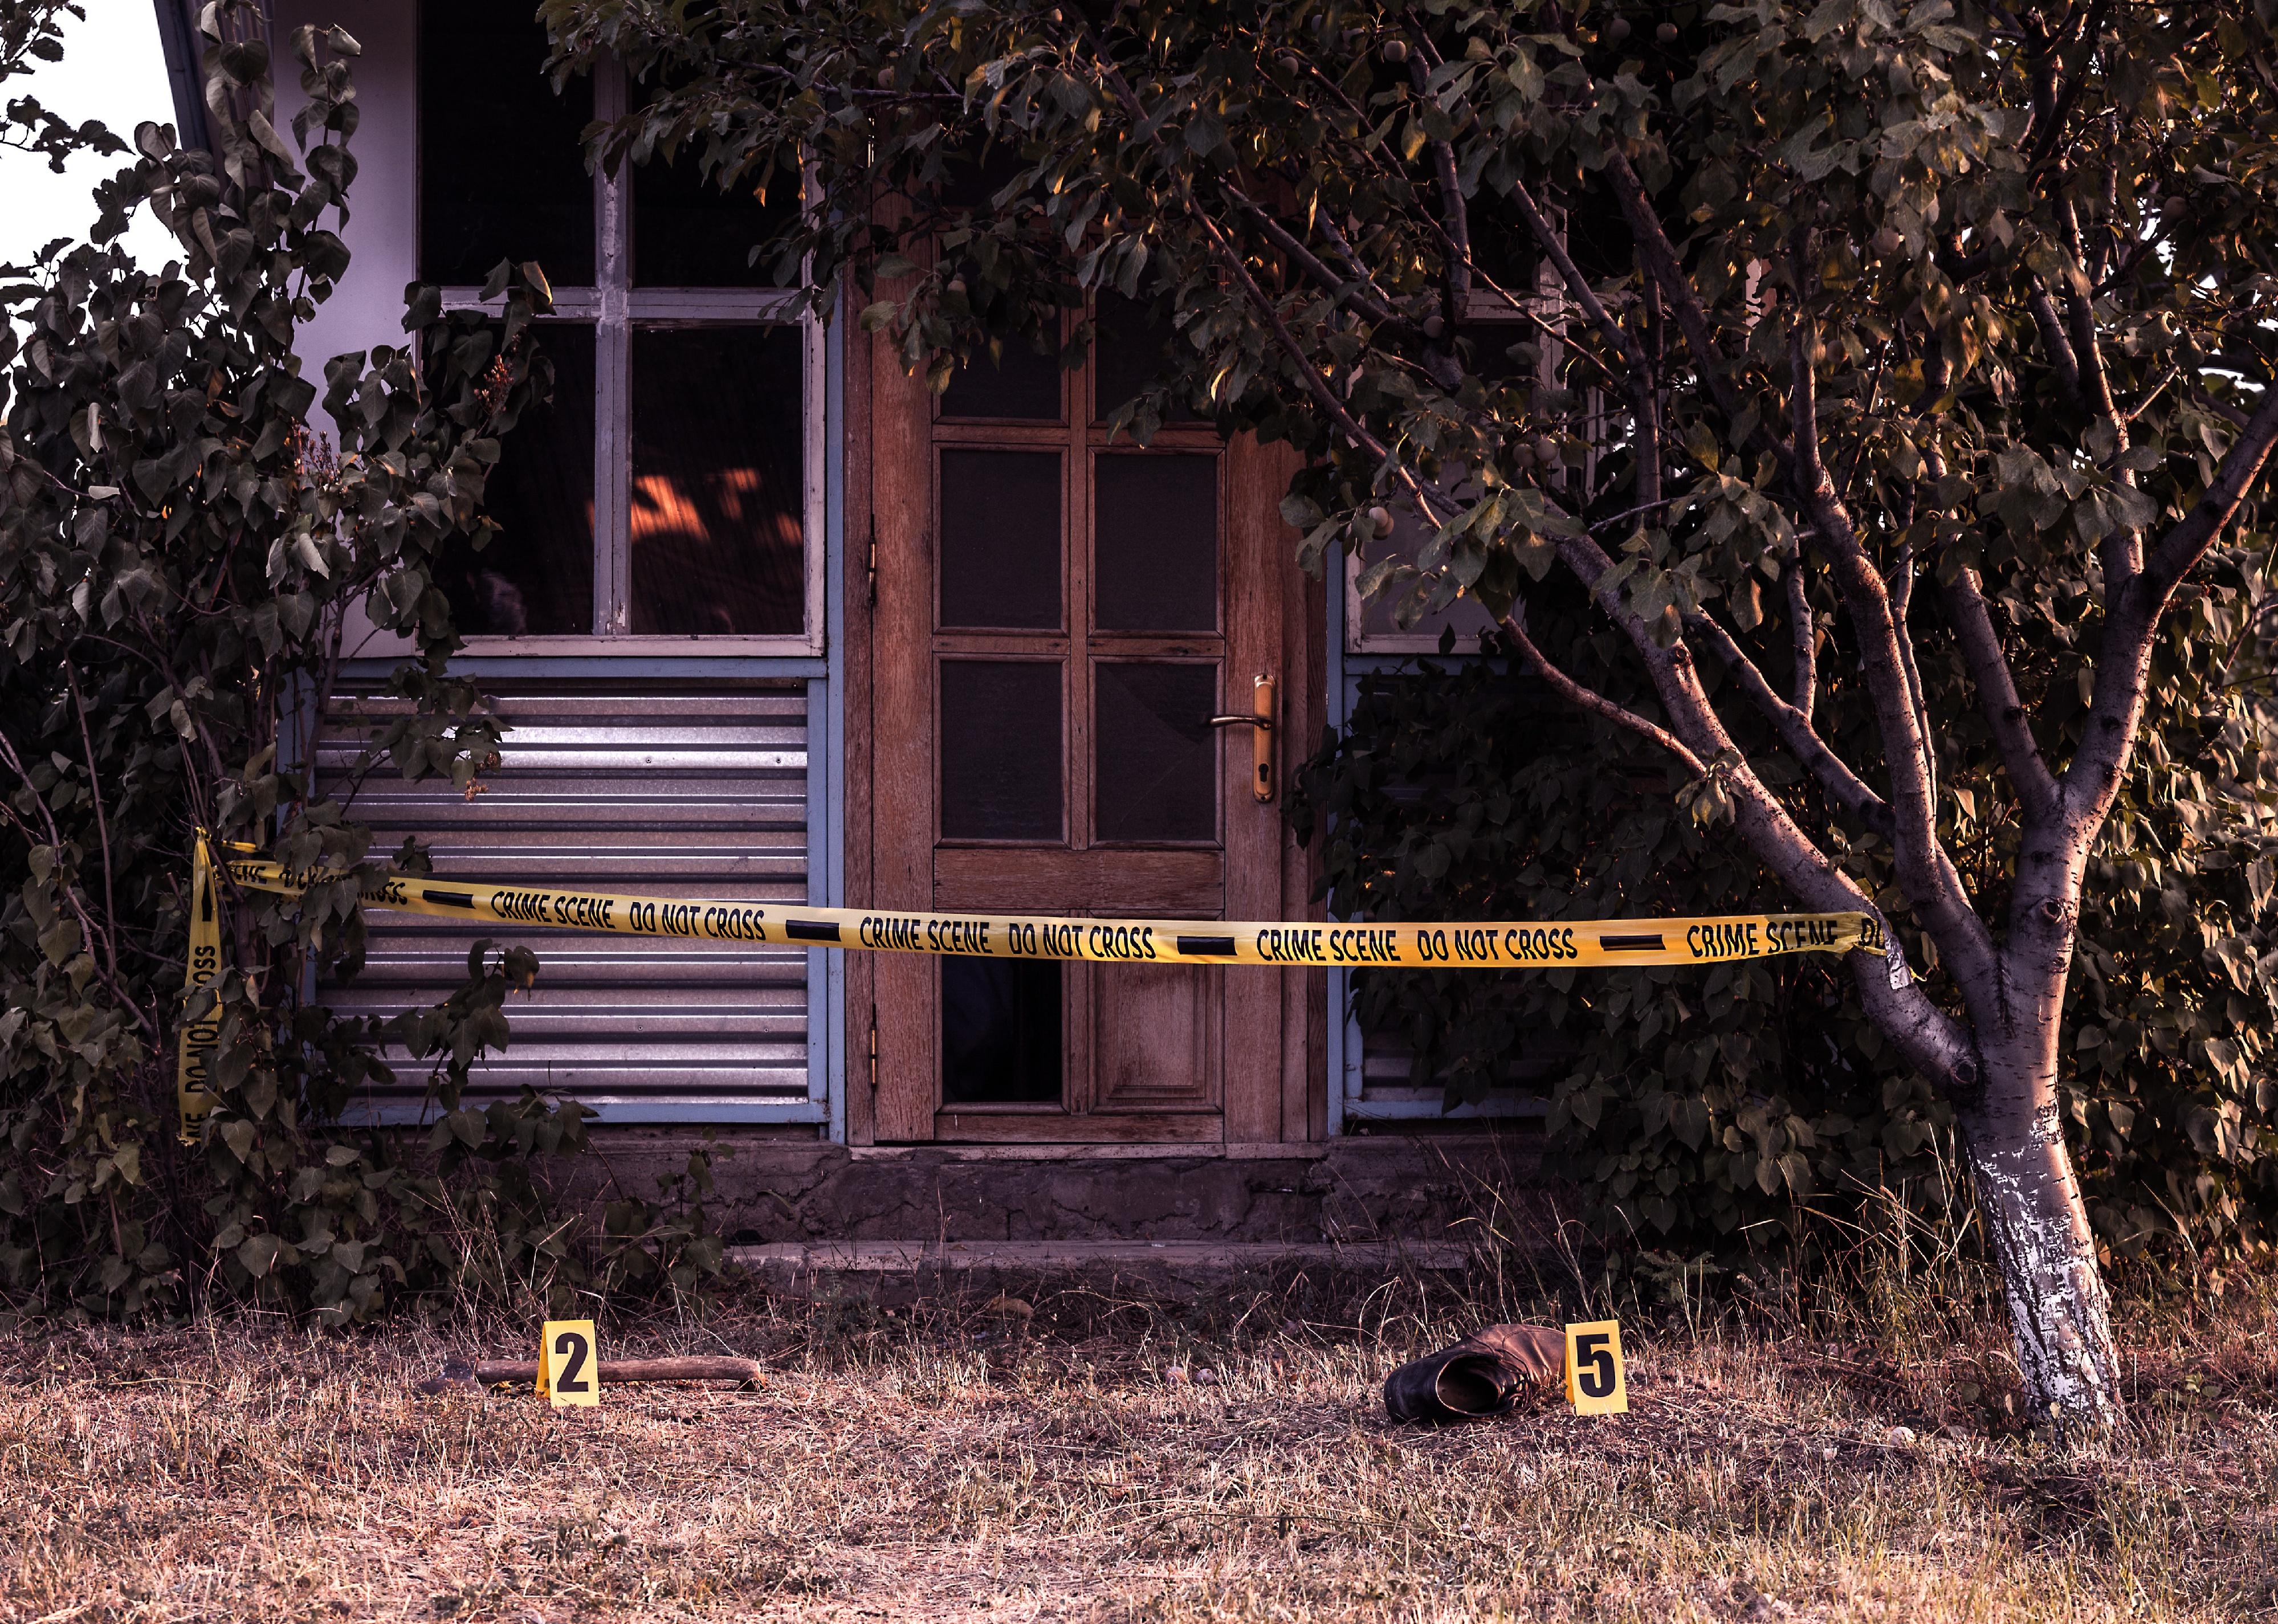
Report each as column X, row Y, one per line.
column 1054, row 620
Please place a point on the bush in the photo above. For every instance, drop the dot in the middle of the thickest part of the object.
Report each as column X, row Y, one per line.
column 179, row 553
column 1749, row 1112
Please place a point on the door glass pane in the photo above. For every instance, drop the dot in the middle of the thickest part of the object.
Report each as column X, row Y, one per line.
column 1000, row 750
column 687, row 232
column 1000, row 1031
column 535, row 574
column 1134, row 347
column 1156, row 563
column 1018, row 385
column 1000, row 539
column 482, row 72
column 1155, row 768
column 715, row 525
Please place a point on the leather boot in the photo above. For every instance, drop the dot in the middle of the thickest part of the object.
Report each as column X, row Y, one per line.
column 1483, row 1375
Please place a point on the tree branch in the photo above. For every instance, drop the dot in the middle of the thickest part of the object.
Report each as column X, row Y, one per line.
column 1577, row 285
column 1660, row 257
column 91, row 937
column 2058, row 110
column 1902, row 598
column 1351, row 294
column 1597, row 704
column 102, row 820
column 1972, row 621
column 2059, row 348
column 1795, row 730
column 1300, row 363
column 1803, row 628
column 2185, row 545
column 1455, row 283
column 1924, row 867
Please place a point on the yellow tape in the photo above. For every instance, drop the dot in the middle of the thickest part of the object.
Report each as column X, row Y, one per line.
column 1457, row 945
column 192, row 1095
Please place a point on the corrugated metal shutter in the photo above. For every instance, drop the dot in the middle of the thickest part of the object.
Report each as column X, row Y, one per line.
column 668, row 787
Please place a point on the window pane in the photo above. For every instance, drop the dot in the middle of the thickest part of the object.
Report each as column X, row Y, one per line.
column 1378, row 625
column 1156, row 563
column 689, row 233
column 536, row 576
column 481, row 72
column 1155, row 753
column 1134, row 347
column 717, row 485
column 1000, row 750
column 1502, row 246
column 1000, row 1031
column 1000, row 538
column 1018, row 385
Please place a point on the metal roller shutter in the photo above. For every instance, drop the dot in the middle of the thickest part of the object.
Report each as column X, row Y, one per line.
column 666, row 787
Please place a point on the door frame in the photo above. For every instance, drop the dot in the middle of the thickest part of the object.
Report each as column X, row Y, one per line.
column 1274, row 1026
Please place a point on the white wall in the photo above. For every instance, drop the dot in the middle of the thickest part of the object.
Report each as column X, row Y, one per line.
column 382, row 233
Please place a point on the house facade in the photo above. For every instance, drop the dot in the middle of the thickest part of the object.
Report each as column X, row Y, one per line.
column 772, row 621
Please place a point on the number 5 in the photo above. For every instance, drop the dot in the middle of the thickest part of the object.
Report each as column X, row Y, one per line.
column 1594, row 1380
column 1593, row 1365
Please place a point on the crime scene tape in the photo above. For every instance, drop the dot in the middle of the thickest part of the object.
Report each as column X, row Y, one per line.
column 1467, row 945
column 192, row 1097
column 1443, row 945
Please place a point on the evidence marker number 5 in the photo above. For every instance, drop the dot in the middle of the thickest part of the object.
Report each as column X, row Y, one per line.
column 1596, row 1384
column 569, row 1368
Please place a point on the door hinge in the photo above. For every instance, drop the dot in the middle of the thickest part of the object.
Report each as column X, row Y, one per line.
column 874, row 560
column 874, row 1051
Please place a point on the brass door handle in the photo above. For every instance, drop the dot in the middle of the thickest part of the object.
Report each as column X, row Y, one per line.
column 1260, row 721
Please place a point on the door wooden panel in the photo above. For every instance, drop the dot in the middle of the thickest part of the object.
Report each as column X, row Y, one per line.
column 1156, row 1038
column 1144, row 626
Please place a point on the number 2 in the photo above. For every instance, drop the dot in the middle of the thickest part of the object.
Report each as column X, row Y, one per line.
column 575, row 1351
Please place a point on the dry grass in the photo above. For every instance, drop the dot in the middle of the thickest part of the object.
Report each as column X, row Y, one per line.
column 956, row 1461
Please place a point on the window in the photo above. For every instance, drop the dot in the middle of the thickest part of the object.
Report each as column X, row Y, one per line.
column 1372, row 626
column 672, row 489
column 1503, row 254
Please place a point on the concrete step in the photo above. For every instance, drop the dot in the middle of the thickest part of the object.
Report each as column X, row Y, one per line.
column 900, row 1268
column 1416, row 1188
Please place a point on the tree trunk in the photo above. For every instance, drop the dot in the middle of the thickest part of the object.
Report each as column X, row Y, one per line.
column 2059, row 1313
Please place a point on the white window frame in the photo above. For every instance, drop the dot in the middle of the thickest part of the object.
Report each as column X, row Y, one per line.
column 612, row 307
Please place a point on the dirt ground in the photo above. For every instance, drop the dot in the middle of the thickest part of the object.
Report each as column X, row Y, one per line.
column 1075, row 1456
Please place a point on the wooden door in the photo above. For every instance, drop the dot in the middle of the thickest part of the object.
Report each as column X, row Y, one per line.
column 1053, row 621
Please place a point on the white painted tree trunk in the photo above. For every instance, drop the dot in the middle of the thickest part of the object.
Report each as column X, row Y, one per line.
column 2060, row 1314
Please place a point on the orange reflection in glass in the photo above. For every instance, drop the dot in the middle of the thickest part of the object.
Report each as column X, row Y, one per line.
column 717, row 485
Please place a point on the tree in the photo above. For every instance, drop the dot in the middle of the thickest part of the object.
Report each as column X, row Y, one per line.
column 1948, row 324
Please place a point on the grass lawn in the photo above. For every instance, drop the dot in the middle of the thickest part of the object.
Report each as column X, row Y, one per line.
column 1093, row 1458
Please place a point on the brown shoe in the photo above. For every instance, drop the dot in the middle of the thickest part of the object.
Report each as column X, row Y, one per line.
column 1483, row 1375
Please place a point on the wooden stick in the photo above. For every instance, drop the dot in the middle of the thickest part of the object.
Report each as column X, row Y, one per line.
column 460, row 1376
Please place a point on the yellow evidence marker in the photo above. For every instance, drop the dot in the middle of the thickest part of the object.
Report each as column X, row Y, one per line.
column 569, row 1370
column 1595, row 1383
